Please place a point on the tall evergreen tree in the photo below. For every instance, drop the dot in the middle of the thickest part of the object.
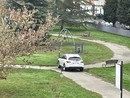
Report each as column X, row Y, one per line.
column 41, row 5
column 70, row 10
column 110, row 10
column 123, row 13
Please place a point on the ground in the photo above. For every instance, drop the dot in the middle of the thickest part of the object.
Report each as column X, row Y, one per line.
column 92, row 83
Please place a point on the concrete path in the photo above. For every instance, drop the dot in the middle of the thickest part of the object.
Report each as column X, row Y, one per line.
column 92, row 83
column 121, row 53
column 89, row 81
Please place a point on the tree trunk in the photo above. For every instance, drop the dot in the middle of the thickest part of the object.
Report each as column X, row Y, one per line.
column 62, row 25
column 114, row 24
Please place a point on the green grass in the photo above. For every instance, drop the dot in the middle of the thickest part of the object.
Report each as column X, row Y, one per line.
column 31, row 83
column 73, row 30
column 40, row 58
column 121, row 40
column 93, row 53
column 100, row 35
column 108, row 74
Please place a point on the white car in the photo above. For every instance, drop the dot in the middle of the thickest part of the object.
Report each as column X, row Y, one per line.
column 73, row 61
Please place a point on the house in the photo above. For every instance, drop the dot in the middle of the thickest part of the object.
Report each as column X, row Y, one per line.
column 95, row 7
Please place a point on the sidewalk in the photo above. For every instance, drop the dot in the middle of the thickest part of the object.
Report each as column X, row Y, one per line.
column 88, row 82
column 94, row 84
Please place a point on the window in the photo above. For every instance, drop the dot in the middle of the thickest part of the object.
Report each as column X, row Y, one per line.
column 75, row 58
column 64, row 57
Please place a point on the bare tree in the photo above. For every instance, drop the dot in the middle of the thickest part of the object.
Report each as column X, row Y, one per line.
column 17, row 36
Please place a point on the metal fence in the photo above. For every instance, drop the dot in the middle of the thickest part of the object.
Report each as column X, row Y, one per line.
column 113, row 30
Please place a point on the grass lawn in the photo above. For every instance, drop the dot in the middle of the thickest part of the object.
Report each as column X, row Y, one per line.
column 93, row 53
column 92, row 56
column 31, row 83
column 108, row 74
column 121, row 40
column 73, row 30
column 100, row 35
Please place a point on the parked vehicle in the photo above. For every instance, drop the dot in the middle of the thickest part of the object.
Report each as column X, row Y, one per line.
column 71, row 61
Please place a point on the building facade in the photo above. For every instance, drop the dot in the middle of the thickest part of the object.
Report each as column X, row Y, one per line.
column 95, row 7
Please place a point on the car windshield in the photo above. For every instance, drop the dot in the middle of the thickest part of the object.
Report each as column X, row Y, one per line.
column 75, row 58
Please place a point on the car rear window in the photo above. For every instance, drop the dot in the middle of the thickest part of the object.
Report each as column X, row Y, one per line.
column 75, row 58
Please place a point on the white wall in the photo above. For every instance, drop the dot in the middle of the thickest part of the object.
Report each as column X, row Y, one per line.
column 98, row 6
column 99, row 2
